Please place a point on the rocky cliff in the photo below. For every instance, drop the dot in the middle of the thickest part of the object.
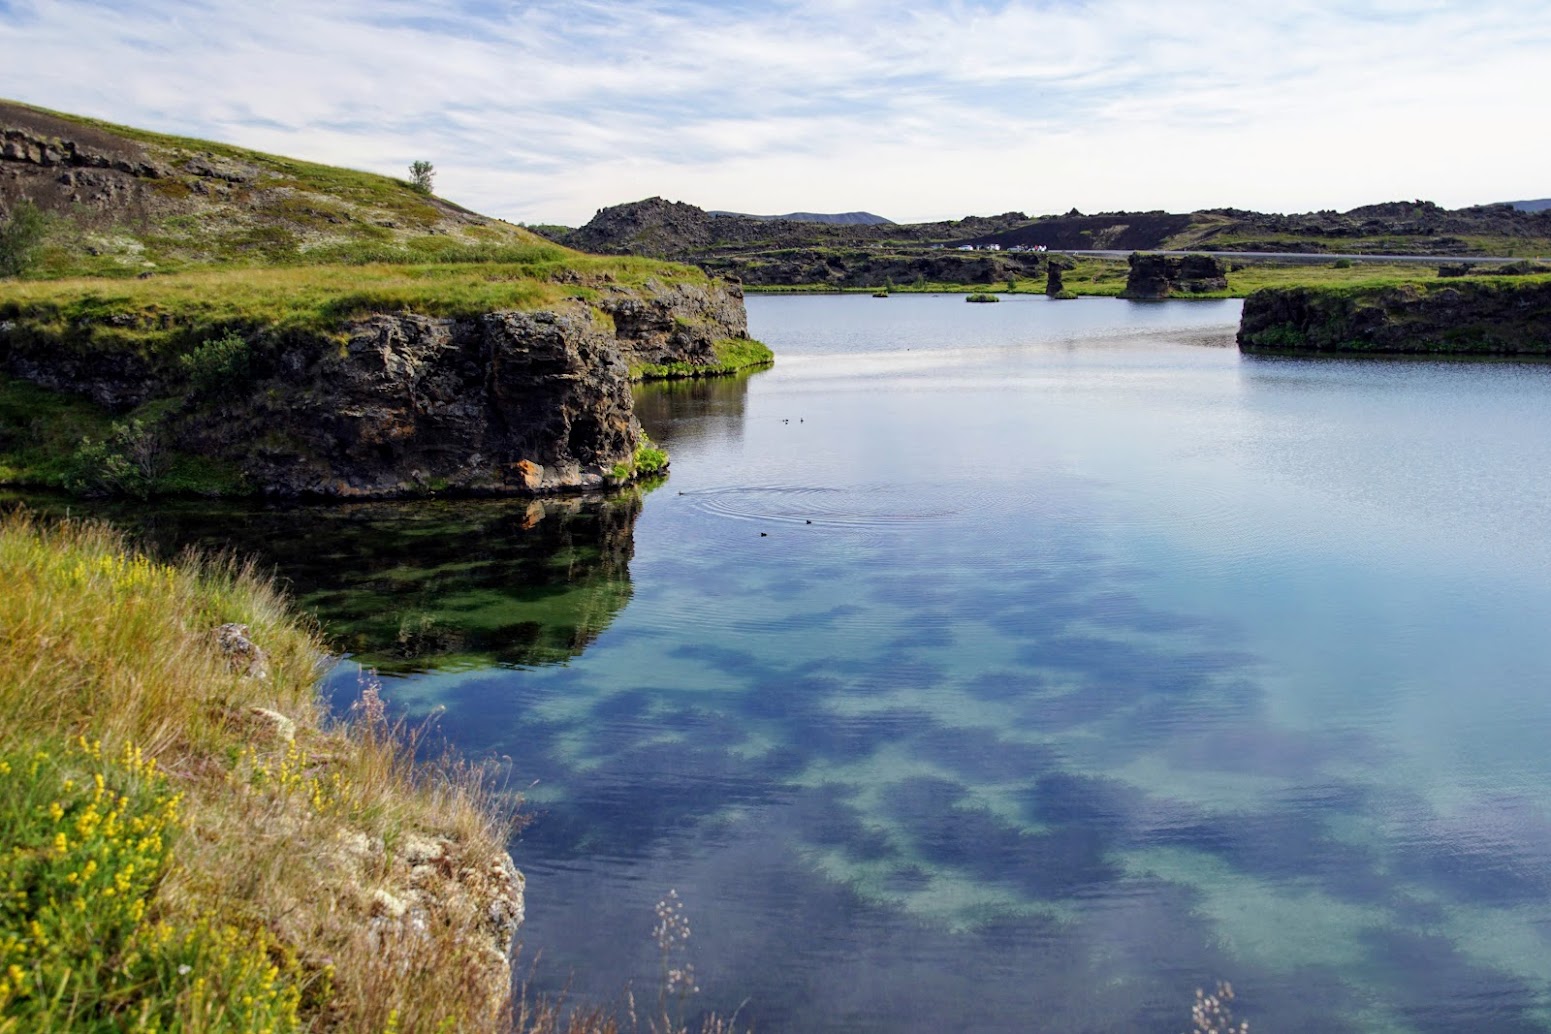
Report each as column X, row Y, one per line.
column 505, row 402
column 681, row 322
column 319, row 331
column 389, row 404
column 1472, row 317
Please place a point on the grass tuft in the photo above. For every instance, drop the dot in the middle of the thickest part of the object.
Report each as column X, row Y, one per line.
column 729, row 356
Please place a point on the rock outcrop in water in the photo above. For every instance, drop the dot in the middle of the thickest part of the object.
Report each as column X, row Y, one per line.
column 1155, row 277
column 1055, row 286
column 676, row 323
column 1471, row 317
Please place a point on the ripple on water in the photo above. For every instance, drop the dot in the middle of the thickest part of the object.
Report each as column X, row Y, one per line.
column 872, row 508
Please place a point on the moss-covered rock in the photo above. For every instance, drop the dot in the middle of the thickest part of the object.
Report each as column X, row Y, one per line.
column 1495, row 316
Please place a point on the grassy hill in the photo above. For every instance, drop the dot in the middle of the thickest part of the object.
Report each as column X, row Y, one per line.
column 125, row 201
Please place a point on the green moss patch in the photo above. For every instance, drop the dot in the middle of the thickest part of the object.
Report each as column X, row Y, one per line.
column 731, row 355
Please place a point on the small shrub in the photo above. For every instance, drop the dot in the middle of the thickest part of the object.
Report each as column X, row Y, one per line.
column 981, row 296
column 219, row 362
column 21, row 235
column 420, row 176
column 131, row 461
column 650, row 460
column 1341, row 264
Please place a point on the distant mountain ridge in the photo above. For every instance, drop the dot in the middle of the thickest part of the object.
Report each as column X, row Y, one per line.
column 832, row 219
column 1538, row 205
column 1010, row 246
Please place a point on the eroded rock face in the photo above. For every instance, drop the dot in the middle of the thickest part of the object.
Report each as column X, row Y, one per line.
column 1155, row 277
column 499, row 403
column 1460, row 316
column 677, row 323
column 507, row 402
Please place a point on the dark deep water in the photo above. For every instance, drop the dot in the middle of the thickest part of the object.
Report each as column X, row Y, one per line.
column 1013, row 667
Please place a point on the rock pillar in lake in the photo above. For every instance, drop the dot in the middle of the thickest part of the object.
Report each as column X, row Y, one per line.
column 1055, row 266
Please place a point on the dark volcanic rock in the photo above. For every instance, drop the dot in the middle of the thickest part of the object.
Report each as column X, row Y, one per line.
column 1463, row 316
column 1161, row 276
column 654, row 227
column 1054, row 285
column 677, row 323
column 1056, row 265
column 506, row 402
column 501, row 403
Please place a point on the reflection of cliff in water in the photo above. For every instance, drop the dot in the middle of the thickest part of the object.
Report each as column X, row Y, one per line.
column 481, row 583
column 415, row 586
column 682, row 413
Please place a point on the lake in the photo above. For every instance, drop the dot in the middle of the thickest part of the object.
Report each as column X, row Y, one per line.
column 1007, row 667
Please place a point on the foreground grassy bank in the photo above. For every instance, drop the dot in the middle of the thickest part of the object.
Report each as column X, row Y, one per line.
column 191, row 845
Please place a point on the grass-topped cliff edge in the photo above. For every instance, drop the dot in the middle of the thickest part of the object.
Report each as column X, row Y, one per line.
column 1456, row 316
column 171, row 281
column 190, row 845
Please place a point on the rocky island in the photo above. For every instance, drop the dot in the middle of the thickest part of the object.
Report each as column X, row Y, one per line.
column 1477, row 316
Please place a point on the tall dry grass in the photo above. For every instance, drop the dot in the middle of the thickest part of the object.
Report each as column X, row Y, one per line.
column 376, row 889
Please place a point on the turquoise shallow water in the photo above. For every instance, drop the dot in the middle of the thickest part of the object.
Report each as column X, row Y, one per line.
column 1027, row 666
column 1021, row 666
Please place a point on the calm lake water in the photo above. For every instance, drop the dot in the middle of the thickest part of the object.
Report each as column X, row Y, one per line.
column 1009, row 667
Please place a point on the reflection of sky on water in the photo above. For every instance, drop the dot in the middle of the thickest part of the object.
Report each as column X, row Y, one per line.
column 1106, row 667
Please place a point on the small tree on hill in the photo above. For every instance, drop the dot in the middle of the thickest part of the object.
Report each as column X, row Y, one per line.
column 420, row 174
column 21, row 234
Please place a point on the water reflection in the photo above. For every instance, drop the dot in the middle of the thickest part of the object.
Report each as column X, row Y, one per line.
column 679, row 413
column 417, row 586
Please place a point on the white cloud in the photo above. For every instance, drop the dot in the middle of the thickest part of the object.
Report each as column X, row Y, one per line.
column 545, row 110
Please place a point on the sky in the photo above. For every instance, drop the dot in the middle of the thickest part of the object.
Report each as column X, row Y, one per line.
column 545, row 111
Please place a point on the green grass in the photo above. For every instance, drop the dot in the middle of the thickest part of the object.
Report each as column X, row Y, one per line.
column 51, row 440
column 730, row 355
column 650, row 460
column 172, row 315
column 981, row 296
column 647, row 462
column 283, row 211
